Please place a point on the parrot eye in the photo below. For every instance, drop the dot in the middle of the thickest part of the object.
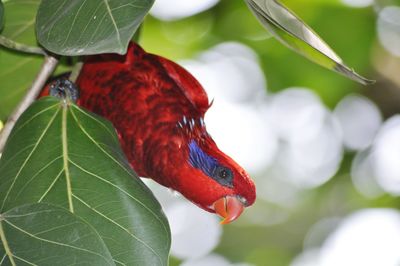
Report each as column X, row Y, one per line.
column 224, row 173
column 209, row 165
column 224, row 176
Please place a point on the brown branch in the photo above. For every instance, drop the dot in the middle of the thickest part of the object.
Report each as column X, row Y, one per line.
column 48, row 67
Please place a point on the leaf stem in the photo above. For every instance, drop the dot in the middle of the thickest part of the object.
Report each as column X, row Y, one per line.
column 5, row 244
column 10, row 44
column 75, row 72
column 48, row 67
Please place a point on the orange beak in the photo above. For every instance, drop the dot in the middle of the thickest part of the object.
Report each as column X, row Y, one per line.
column 229, row 208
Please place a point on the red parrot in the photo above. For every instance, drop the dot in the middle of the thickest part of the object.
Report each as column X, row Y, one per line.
column 158, row 110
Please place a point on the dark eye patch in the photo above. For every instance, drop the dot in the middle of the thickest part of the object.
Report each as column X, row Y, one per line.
column 209, row 165
column 223, row 175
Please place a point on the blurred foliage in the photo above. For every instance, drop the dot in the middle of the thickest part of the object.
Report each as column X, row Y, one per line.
column 1, row 14
column 351, row 33
column 232, row 21
column 290, row 30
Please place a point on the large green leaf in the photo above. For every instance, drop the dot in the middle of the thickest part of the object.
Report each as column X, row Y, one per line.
column 79, row 27
column 60, row 154
column 295, row 34
column 17, row 70
column 43, row 234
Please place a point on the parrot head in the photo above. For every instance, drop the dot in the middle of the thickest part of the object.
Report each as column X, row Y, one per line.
column 210, row 178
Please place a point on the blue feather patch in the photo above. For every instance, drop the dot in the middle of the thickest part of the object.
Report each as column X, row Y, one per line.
column 200, row 160
column 209, row 165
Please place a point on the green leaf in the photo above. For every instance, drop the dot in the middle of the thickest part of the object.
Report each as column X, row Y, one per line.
column 16, row 77
column 60, row 154
column 79, row 27
column 19, row 24
column 43, row 234
column 294, row 33
column 17, row 70
column 1, row 14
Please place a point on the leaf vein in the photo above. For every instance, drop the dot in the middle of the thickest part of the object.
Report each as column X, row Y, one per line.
column 52, row 18
column 53, row 242
column 21, row 63
column 123, row 191
column 114, row 23
column 2, row 260
column 25, row 214
column 95, row 31
column 119, row 262
column 51, row 186
column 129, row 4
column 120, row 226
column 21, row 259
column 31, row 118
column 87, row 24
column 34, row 176
column 22, row 29
column 73, row 23
column 10, row 160
column 28, row 157
column 55, row 228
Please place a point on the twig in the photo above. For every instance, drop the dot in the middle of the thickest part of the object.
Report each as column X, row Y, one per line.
column 10, row 44
column 75, row 72
column 48, row 67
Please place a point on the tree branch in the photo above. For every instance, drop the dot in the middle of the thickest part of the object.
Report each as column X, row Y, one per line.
column 48, row 67
column 10, row 44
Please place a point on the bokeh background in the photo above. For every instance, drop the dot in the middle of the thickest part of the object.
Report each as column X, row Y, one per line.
column 323, row 150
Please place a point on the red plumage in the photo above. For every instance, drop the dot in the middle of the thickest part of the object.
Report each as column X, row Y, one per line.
column 158, row 108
